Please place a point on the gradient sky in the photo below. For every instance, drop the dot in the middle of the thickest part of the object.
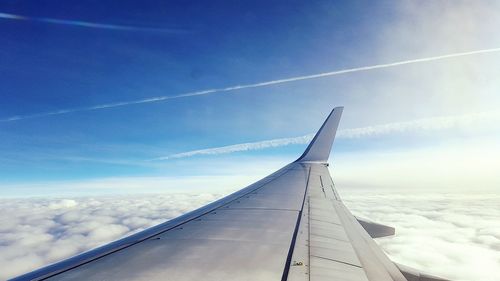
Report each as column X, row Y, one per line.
column 56, row 55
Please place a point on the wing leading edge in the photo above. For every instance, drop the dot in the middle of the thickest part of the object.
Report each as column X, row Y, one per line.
column 291, row 225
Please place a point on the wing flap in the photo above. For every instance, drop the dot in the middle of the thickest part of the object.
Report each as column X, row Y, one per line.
column 376, row 230
column 412, row 274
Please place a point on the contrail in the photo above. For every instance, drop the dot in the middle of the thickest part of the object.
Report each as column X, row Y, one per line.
column 86, row 24
column 247, row 86
column 420, row 125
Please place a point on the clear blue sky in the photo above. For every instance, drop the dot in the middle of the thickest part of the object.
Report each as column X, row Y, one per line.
column 69, row 55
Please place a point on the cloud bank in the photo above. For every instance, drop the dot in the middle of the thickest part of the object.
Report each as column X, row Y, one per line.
column 465, row 122
column 451, row 235
column 455, row 236
column 36, row 232
column 246, row 86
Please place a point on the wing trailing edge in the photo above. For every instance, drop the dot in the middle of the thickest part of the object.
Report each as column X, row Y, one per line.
column 376, row 230
column 412, row 274
column 321, row 145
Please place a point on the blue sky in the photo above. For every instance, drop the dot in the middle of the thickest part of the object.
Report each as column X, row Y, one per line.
column 57, row 55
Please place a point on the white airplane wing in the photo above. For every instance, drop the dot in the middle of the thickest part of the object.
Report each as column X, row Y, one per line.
column 291, row 225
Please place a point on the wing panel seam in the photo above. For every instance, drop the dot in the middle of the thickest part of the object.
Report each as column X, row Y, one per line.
column 284, row 277
column 337, row 261
column 52, row 274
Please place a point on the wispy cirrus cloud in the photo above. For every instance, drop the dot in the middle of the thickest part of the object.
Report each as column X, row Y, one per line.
column 245, row 86
column 420, row 125
column 87, row 24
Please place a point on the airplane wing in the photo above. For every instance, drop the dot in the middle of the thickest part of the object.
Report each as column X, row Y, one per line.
column 291, row 225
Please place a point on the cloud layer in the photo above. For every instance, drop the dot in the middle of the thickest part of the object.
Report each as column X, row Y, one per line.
column 36, row 232
column 452, row 235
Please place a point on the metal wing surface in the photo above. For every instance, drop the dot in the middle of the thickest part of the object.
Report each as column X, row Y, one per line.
column 291, row 225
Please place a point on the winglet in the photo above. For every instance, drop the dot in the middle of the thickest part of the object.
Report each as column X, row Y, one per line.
column 319, row 148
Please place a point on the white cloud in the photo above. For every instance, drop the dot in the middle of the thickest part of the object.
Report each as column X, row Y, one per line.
column 36, row 232
column 421, row 28
column 65, row 203
column 451, row 235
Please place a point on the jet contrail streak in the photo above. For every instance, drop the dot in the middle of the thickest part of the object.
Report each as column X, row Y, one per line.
column 248, row 86
column 86, row 24
column 420, row 125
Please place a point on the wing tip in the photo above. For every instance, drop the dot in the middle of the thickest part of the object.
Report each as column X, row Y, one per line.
column 319, row 148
